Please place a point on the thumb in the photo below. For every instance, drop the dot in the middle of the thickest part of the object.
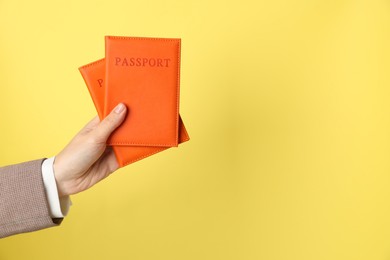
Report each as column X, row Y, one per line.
column 110, row 123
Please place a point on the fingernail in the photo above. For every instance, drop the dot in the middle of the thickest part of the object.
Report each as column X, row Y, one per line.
column 119, row 108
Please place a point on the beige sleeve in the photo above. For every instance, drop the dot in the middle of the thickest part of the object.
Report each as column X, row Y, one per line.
column 23, row 203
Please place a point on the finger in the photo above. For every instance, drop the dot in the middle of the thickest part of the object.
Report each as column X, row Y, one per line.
column 107, row 164
column 110, row 160
column 110, row 123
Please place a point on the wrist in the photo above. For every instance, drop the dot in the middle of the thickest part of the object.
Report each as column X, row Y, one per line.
column 59, row 180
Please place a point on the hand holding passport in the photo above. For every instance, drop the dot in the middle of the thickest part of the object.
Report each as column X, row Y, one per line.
column 144, row 74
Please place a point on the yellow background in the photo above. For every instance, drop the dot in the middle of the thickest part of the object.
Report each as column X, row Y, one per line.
column 287, row 104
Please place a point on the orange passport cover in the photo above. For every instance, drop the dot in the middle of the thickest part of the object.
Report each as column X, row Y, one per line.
column 144, row 74
column 94, row 74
